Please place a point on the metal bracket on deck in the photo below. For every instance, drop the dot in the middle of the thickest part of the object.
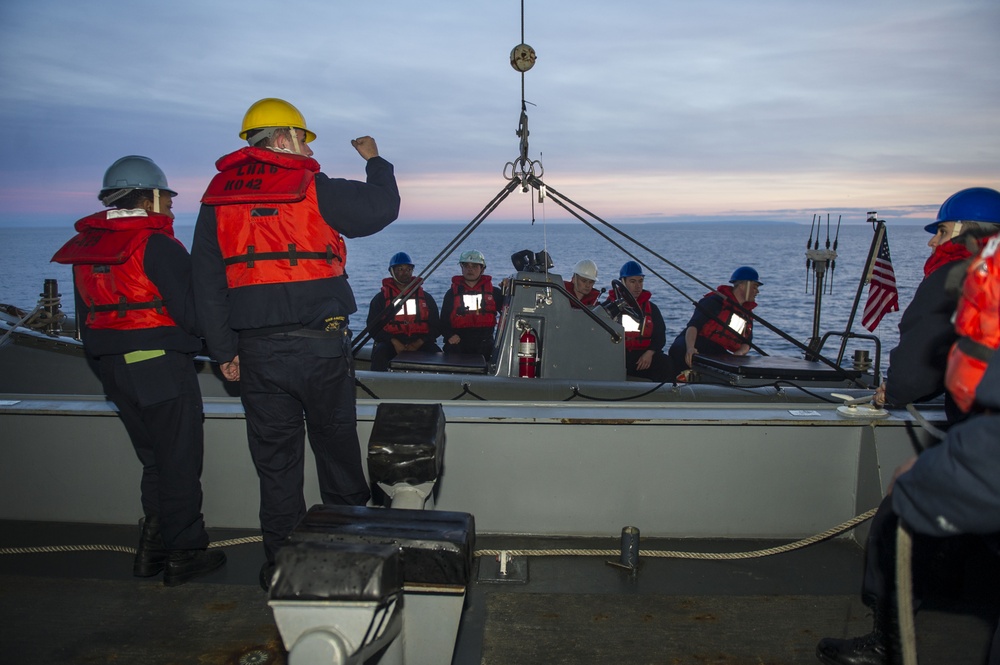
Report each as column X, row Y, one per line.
column 503, row 569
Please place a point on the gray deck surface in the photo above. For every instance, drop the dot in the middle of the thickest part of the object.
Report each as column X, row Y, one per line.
column 85, row 607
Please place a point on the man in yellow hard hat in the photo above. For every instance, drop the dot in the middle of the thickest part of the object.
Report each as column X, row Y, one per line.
column 273, row 297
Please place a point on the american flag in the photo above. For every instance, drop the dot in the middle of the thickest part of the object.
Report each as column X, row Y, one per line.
column 882, row 294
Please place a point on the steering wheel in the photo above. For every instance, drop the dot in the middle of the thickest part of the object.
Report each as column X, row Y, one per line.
column 624, row 302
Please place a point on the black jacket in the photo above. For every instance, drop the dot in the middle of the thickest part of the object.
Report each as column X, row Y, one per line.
column 926, row 333
column 954, row 487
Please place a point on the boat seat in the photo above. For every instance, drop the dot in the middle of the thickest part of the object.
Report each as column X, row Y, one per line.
column 431, row 361
column 737, row 369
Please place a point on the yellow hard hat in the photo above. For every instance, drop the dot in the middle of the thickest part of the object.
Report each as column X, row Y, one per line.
column 273, row 112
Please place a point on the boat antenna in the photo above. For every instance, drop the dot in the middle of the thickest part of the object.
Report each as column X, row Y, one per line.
column 808, row 247
column 830, row 291
column 821, row 260
column 833, row 262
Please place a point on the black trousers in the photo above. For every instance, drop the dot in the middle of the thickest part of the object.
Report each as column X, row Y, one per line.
column 937, row 566
column 472, row 340
column 159, row 401
column 289, row 384
column 660, row 368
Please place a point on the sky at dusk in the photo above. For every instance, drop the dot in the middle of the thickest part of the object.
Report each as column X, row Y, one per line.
column 638, row 110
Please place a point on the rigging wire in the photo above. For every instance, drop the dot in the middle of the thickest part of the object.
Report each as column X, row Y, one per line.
column 388, row 312
column 565, row 203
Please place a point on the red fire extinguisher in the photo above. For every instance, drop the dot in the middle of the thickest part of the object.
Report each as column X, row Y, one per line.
column 527, row 354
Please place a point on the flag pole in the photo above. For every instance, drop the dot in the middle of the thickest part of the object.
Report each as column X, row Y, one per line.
column 866, row 276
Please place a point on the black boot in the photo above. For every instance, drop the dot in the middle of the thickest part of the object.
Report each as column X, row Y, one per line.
column 266, row 575
column 185, row 565
column 150, row 555
column 879, row 647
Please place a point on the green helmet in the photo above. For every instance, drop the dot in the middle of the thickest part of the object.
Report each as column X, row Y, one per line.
column 472, row 256
column 131, row 173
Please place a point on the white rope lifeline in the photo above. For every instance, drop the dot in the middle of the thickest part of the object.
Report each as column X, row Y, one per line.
column 667, row 554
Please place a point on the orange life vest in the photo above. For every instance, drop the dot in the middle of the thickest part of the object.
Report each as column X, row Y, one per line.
column 977, row 322
column 589, row 300
column 733, row 334
column 412, row 317
column 268, row 222
column 107, row 256
column 464, row 317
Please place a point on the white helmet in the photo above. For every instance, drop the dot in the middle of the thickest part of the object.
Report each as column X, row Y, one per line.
column 586, row 269
column 472, row 256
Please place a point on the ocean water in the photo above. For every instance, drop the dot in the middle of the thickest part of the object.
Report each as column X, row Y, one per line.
column 708, row 252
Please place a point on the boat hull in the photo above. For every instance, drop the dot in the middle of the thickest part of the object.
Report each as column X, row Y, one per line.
column 673, row 470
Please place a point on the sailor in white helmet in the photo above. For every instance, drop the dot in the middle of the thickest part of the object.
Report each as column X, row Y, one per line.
column 470, row 308
column 581, row 285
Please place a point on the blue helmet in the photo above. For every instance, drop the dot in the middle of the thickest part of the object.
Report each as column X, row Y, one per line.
column 976, row 204
column 630, row 269
column 745, row 274
column 400, row 259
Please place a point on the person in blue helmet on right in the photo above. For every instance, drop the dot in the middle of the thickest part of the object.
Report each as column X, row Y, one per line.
column 721, row 324
column 917, row 364
column 917, row 369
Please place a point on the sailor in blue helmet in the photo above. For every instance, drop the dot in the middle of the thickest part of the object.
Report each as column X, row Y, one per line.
column 133, row 291
column 917, row 367
column 721, row 324
column 645, row 339
column 397, row 324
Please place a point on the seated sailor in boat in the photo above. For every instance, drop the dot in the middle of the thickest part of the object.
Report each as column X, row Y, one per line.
column 721, row 323
column 397, row 323
column 470, row 308
column 581, row 284
column 917, row 363
column 132, row 280
column 644, row 340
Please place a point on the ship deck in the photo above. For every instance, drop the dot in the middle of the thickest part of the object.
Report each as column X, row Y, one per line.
column 84, row 607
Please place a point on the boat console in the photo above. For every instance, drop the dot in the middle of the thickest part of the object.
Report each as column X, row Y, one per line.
column 586, row 344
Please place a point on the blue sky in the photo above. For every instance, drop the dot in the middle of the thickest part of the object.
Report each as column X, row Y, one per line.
column 720, row 109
